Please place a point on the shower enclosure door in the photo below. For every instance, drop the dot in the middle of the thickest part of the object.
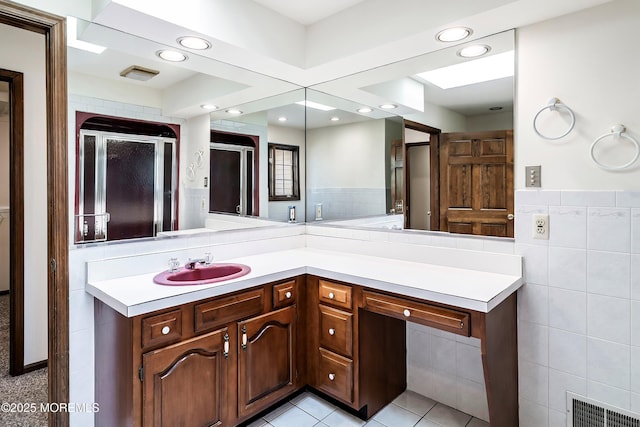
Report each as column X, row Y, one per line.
column 127, row 186
column 232, row 177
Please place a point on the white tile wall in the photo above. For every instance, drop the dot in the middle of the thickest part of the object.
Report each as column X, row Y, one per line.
column 579, row 312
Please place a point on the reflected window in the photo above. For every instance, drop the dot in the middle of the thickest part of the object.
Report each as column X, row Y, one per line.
column 284, row 172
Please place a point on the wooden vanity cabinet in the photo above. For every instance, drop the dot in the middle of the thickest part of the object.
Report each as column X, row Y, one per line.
column 214, row 362
column 355, row 357
column 266, row 360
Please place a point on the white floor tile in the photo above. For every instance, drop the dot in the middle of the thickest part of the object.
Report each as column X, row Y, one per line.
column 447, row 416
column 374, row 423
column 339, row 418
column 294, row 416
column 315, row 406
column 414, row 402
column 426, row 423
column 258, row 423
column 278, row 411
column 475, row 422
column 395, row 416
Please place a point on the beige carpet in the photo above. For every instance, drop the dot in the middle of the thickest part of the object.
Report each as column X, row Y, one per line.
column 20, row 397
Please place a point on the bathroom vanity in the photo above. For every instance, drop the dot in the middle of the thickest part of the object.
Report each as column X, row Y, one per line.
column 220, row 354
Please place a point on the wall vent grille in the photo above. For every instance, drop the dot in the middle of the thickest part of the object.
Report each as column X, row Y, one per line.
column 583, row 412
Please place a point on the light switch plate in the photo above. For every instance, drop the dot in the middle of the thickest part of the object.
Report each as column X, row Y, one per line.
column 532, row 176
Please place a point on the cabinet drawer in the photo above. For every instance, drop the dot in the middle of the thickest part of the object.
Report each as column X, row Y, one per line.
column 336, row 330
column 335, row 294
column 212, row 314
column 335, row 375
column 426, row 314
column 284, row 294
column 161, row 328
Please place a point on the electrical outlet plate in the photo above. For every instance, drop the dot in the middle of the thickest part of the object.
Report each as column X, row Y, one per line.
column 541, row 226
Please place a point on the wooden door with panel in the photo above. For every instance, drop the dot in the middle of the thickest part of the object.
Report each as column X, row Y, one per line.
column 476, row 183
column 267, row 369
column 186, row 383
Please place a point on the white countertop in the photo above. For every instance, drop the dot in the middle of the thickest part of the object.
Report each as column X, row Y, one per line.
column 470, row 289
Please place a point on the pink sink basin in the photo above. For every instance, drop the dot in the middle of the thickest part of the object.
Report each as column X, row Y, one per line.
column 202, row 275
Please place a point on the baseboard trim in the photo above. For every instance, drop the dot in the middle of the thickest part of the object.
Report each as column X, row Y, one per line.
column 4, row 292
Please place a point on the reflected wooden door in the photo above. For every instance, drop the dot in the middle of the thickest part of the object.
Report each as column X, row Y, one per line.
column 476, row 182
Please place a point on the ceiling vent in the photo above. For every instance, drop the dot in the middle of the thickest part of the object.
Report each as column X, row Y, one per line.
column 137, row 72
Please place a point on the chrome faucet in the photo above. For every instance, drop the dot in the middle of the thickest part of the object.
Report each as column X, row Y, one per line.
column 208, row 259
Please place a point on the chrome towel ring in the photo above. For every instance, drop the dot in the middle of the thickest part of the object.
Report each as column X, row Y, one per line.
column 617, row 131
column 554, row 105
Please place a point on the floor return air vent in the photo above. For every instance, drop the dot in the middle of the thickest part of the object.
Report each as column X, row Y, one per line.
column 584, row 412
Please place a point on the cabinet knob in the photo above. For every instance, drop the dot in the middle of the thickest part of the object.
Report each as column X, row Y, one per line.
column 332, row 331
column 287, row 295
column 332, row 376
column 406, row 312
column 332, row 295
column 166, row 330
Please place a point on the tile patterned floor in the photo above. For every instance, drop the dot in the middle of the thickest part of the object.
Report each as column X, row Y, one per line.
column 407, row 410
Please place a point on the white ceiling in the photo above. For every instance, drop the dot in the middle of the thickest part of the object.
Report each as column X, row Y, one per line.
column 262, row 48
column 307, row 12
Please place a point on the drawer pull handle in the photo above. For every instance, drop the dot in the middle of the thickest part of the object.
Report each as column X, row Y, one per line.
column 406, row 312
column 226, row 346
column 332, row 295
column 165, row 330
column 332, row 376
column 287, row 295
column 332, row 331
column 244, row 337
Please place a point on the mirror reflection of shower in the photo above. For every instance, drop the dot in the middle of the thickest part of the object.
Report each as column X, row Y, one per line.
column 4, row 188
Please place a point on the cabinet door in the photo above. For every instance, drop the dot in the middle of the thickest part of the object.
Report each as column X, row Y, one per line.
column 184, row 384
column 266, row 360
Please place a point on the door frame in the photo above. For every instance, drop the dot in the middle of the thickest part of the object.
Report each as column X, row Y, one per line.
column 16, row 225
column 53, row 28
column 434, row 176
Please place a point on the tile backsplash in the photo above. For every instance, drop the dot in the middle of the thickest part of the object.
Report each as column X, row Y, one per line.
column 579, row 311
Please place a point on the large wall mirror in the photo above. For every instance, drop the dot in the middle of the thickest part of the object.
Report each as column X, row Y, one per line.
column 146, row 129
column 446, row 165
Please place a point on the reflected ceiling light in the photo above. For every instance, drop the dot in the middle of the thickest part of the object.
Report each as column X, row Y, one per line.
column 479, row 70
column 473, row 51
column 315, row 105
column 233, row 111
column 139, row 73
column 454, row 34
column 364, row 110
column 335, row 119
column 282, row 119
column 171, row 55
column 72, row 38
column 209, row 107
column 388, row 106
column 195, row 43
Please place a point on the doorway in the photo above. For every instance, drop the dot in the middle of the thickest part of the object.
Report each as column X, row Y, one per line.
column 232, row 178
column 53, row 29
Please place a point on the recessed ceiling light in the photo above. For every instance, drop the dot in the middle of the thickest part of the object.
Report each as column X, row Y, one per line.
column 315, row 105
column 171, row 55
column 335, row 119
column 282, row 119
column 473, row 51
column 364, row 110
column 195, row 43
column 388, row 106
column 454, row 34
column 209, row 107
column 233, row 111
